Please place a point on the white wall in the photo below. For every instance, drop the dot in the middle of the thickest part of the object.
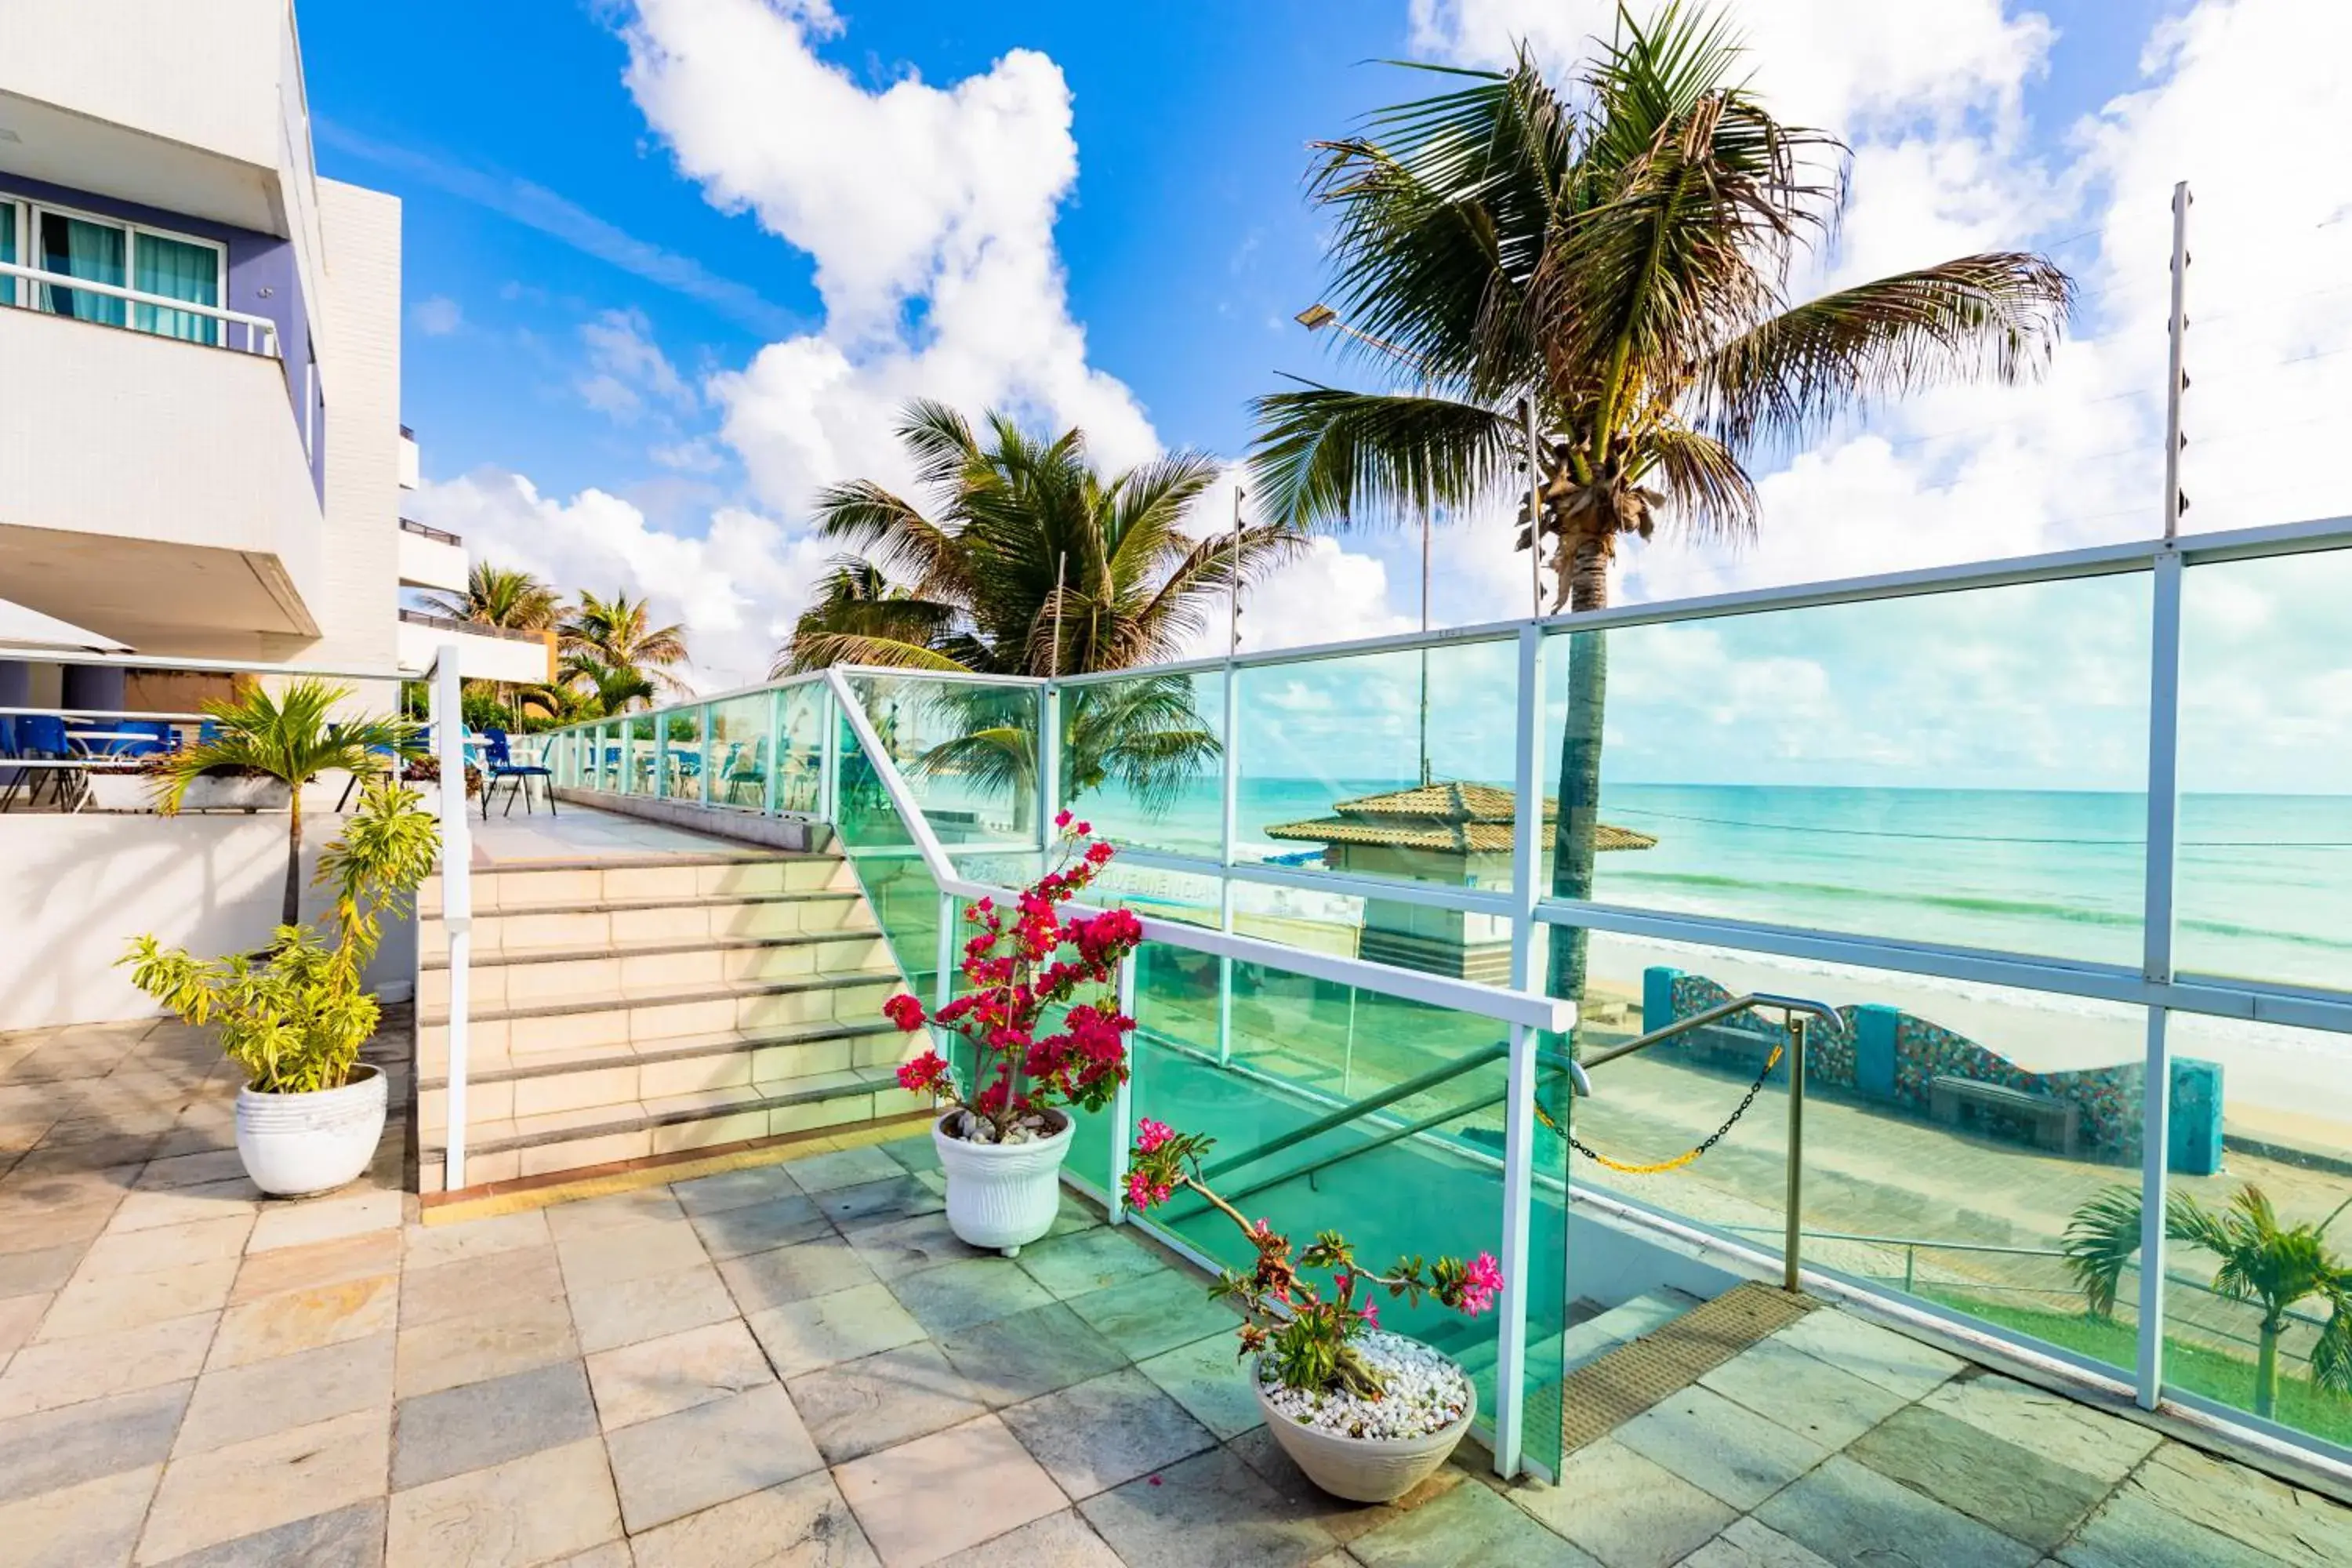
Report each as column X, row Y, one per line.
column 77, row 888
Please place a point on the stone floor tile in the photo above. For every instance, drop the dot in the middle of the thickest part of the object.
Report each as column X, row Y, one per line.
column 1087, row 1260
column 2055, row 1427
column 681, row 1464
column 758, row 1228
column 867, row 1204
column 661, row 1376
column 1210, row 1509
column 348, row 1538
column 736, row 1189
column 245, row 1487
column 1725, row 1450
column 1623, row 1510
column 430, row 1246
column 106, row 1306
column 911, row 1245
column 429, row 1296
column 636, row 1252
column 19, row 1316
column 1016, row 1358
column 503, row 1337
column 73, row 1526
column 958, row 1294
column 916, row 1153
column 1893, row 1360
column 316, row 1266
column 284, row 1224
column 1062, row 1540
column 177, row 1205
column 191, row 1170
column 304, row 1319
column 1994, row 1481
column 478, row 1424
column 1298, row 1498
column 1849, row 1514
column 2269, row 1515
column 1466, row 1526
column 166, row 1246
column 1808, row 1396
column 803, row 1523
column 2132, row 1531
column 40, row 1272
column 536, row 1509
column 844, row 1168
column 1106, row 1431
column 237, row 1403
column 804, row 1336
column 628, row 1311
column 1157, row 1312
column 83, row 1441
column 67, row 1371
column 1206, row 1378
column 860, row 1407
column 90, row 1154
column 819, row 1267
column 42, row 1229
column 611, row 1554
column 1748, row 1544
column 976, row 1482
column 621, row 1211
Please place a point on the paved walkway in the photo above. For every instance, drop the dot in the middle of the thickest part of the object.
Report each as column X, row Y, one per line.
column 797, row 1364
column 583, row 833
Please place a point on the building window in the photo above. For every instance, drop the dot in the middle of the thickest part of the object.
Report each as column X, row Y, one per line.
column 101, row 250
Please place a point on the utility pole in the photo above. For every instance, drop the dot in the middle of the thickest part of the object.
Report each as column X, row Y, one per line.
column 1061, row 564
column 1535, row 513
column 2175, row 503
column 1234, row 588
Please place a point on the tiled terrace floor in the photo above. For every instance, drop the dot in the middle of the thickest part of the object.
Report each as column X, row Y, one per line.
column 796, row 1363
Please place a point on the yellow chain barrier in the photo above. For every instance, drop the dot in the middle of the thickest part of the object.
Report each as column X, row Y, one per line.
column 1679, row 1160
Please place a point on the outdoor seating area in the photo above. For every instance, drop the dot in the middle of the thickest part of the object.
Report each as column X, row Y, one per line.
column 53, row 754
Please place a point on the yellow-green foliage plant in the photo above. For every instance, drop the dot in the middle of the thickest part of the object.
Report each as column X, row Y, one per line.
column 294, row 1016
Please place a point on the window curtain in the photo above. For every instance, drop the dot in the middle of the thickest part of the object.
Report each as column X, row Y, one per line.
column 177, row 271
column 11, row 289
column 79, row 249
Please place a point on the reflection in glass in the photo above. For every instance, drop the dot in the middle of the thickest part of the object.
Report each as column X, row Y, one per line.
column 738, row 759
column 967, row 750
column 1143, row 762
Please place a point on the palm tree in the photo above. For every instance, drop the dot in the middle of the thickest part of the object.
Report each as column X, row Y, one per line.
column 1608, row 265
column 287, row 735
column 587, row 688
column 617, row 636
column 2260, row 1262
column 501, row 597
column 1030, row 563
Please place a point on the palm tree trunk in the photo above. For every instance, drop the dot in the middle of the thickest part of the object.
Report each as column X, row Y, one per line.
column 291, row 914
column 2266, row 1368
column 1575, row 834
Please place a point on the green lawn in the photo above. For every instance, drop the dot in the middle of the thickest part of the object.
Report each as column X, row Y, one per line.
column 2201, row 1370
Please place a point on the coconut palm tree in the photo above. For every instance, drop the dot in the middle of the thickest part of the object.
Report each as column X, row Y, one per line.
column 618, row 636
column 289, row 736
column 2259, row 1261
column 1608, row 265
column 501, row 597
column 1030, row 563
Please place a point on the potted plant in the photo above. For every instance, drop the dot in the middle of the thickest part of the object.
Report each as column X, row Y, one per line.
column 294, row 1016
column 1366, row 1414
column 1003, row 1141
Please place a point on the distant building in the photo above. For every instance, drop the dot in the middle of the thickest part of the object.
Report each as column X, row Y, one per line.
column 1456, row 834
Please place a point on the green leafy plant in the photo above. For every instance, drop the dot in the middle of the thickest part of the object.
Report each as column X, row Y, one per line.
column 289, row 736
column 2261, row 1261
column 294, row 1016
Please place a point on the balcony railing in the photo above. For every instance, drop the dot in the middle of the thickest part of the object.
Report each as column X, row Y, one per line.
column 410, row 525
column 470, row 628
column 260, row 333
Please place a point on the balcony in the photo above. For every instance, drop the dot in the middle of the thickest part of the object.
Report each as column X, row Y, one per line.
column 431, row 558
column 165, row 496
column 483, row 653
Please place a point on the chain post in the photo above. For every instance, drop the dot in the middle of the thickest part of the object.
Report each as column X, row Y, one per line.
column 1792, row 1243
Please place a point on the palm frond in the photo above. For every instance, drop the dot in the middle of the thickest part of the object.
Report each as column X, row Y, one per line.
column 1331, row 458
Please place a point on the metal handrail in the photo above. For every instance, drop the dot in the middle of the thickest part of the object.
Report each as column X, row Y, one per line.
column 251, row 324
column 426, row 531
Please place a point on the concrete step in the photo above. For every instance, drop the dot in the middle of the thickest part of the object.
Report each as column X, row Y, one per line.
column 514, row 979
column 631, row 922
column 506, row 1149
column 542, row 885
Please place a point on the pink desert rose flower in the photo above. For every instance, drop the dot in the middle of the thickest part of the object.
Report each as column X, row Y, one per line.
column 1150, row 1134
column 1142, row 1193
column 1371, row 1311
column 1484, row 1277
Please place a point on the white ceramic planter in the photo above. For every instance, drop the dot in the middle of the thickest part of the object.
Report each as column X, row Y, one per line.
column 297, row 1144
column 1362, row 1469
column 136, row 791
column 1002, row 1196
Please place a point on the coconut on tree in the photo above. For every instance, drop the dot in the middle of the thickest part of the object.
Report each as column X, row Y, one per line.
column 1024, row 560
column 1610, row 262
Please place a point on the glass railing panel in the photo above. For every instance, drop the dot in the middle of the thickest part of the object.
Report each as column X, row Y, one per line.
column 1186, row 896
column 968, row 751
column 1951, row 1130
column 1965, row 768
column 611, row 755
column 899, row 888
column 740, row 743
column 1392, row 765
column 2265, row 858
column 641, row 755
column 2255, row 1108
column 800, row 749
column 678, row 772
column 1143, row 760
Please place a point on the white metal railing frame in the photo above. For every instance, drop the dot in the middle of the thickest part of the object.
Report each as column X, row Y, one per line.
column 264, row 346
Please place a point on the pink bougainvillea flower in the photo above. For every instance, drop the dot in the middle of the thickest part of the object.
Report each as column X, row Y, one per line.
column 1061, row 819
column 927, row 1071
column 904, row 1011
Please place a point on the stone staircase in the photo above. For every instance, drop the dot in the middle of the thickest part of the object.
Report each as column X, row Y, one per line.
column 625, row 1008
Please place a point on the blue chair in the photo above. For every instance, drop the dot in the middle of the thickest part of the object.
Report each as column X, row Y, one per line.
column 160, row 738
column 502, row 765
column 37, row 737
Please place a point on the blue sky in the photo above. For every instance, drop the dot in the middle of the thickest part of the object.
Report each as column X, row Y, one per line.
column 670, row 264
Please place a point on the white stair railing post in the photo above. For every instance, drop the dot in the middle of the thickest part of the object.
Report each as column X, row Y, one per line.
column 456, row 894
column 1122, row 1110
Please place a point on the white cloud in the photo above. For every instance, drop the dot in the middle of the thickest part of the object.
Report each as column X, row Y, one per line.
column 626, row 368
column 437, row 315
